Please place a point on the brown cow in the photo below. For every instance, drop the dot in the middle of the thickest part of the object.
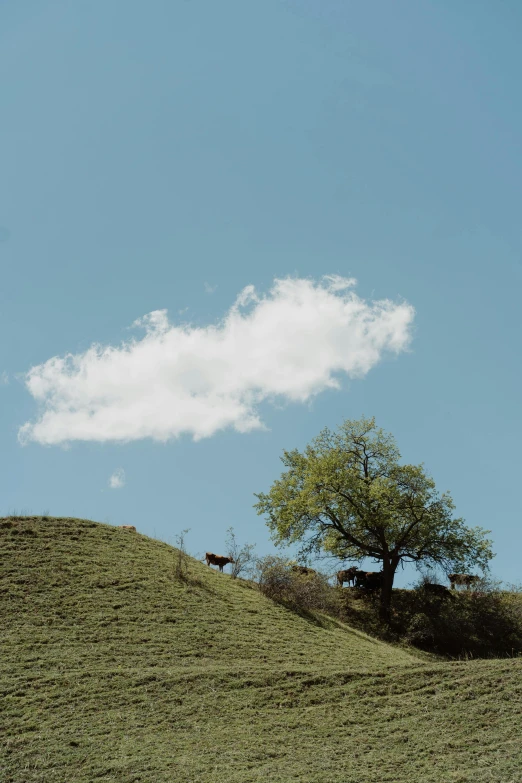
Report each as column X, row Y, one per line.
column 299, row 569
column 218, row 560
column 347, row 575
column 127, row 527
column 463, row 579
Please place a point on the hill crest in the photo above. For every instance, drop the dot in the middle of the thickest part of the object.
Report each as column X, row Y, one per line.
column 113, row 670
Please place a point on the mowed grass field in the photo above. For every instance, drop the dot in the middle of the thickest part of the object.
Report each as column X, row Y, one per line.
column 114, row 669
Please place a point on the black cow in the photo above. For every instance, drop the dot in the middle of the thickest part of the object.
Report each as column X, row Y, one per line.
column 369, row 580
column 440, row 591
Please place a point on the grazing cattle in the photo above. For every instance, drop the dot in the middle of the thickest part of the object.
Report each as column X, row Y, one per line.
column 369, row 580
column 360, row 578
column 127, row 527
column 347, row 575
column 463, row 579
column 299, row 569
column 438, row 590
column 218, row 560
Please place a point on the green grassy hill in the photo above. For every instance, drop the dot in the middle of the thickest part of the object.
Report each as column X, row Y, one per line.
column 114, row 670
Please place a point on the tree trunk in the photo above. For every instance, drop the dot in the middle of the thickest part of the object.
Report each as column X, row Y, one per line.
column 389, row 566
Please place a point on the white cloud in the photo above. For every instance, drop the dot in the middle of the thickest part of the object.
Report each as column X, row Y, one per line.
column 117, row 480
column 338, row 283
column 209, row 289
column 287, row 345
column 4, row 379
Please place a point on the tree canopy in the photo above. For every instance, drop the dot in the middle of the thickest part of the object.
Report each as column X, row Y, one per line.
column 348, row 495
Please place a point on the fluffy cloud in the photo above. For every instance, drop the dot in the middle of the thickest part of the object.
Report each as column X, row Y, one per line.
column 117, row 480
column 290, row 344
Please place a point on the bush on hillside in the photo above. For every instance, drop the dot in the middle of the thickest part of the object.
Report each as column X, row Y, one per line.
column 482, row 623
column 181, row 557
column 243, row 555
column 306, row 592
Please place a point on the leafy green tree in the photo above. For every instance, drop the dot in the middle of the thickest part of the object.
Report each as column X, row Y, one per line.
column 346, row 494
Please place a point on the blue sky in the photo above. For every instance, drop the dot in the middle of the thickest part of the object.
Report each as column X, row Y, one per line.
column 164, row 156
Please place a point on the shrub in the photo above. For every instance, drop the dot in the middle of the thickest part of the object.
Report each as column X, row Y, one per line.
column 485, row 622
column 243, row 556
column 274, row 577
column 181, row 557
column 306, row 592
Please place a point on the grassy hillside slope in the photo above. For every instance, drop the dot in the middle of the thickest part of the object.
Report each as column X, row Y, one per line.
column 114, row 670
